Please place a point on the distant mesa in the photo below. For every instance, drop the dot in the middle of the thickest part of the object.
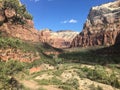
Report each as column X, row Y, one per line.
column 59, row 39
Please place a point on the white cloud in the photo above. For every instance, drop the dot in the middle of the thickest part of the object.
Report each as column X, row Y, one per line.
column 70, row 21
column 73, row 21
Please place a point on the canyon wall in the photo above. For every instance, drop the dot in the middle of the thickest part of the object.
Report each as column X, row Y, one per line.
column 102, row 26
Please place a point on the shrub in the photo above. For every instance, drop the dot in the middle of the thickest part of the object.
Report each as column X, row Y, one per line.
column 73, row 83
column 28, row 16
column 11, row 4
column 7, row 71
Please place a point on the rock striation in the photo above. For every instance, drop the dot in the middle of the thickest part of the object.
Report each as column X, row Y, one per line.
column 102, row 26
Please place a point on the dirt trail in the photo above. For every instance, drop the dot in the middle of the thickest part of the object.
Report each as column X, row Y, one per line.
column 32, row 85
column 51, row 87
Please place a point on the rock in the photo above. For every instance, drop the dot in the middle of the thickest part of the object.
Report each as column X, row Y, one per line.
column 45, row 35
column 20, row 31
column 102, row 26
column 30, row 23
column 118, row 40
column 10, row 13
column 2, row 17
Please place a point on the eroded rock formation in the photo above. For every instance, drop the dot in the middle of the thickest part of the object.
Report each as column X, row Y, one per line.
column 102, row 26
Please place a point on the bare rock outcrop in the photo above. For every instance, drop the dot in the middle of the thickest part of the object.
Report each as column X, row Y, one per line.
column 102, row 26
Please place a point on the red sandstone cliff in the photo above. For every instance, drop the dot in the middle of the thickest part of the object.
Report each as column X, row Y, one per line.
column 102, row 26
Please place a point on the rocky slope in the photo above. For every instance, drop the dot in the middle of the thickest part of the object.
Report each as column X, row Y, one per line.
column 102, row 26
column 59, row 39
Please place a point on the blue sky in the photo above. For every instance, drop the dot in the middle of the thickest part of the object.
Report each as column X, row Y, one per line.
column 60, row 14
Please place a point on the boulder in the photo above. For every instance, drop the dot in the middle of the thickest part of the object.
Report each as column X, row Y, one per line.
column 10, row 13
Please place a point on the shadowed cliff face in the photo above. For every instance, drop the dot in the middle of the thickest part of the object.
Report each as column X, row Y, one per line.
column 118, row 40
column 102, row 26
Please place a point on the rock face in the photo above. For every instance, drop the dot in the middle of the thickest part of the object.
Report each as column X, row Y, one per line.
column 118, row 39
column 9, row 27
column 20, row 31
column 102, row 26
column 60, row 39
column 45, row 35
column 16, row 54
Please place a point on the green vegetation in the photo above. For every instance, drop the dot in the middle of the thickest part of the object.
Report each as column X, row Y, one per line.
column 99, row 74
column 70, row 62
column 70, row 84
column 7, row 71
column 52, row 81
column 9, row 43
column 92, row 87
column 90, row 56
column 6, row 42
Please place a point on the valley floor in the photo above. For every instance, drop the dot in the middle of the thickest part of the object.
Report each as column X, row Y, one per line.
column 71, row 77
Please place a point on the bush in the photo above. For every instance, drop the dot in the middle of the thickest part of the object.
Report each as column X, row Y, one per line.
column 73, row 83
column 28, row 16
column 9, row 42
column 7, row 71
column 11, row 4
